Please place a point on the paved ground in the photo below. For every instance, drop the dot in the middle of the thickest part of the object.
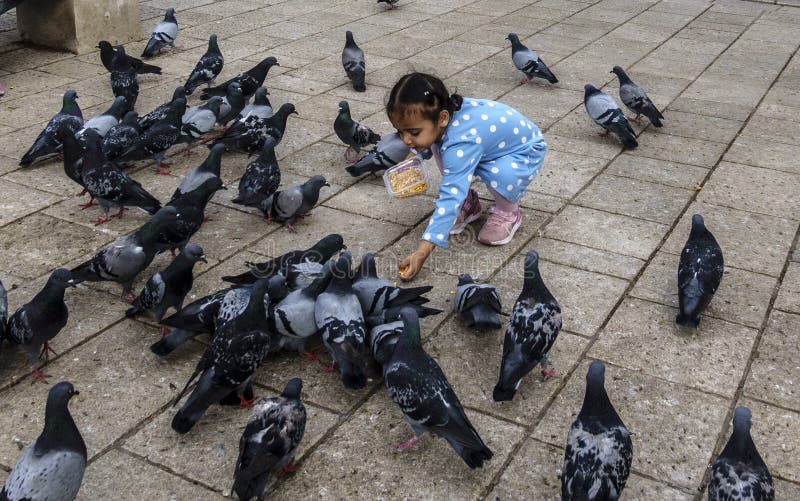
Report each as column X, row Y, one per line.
column 609, row 226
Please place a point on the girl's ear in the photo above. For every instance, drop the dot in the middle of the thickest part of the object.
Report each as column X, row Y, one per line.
column 444, row 118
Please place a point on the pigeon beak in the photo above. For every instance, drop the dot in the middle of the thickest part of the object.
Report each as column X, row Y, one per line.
column 71, row 283
column 295, row 112
column 203, row 259
column 76, row 392
column 327, row 184
column 223, row 187
column 344, row 247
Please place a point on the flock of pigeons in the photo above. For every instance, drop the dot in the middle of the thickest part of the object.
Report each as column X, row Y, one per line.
column 283, row 303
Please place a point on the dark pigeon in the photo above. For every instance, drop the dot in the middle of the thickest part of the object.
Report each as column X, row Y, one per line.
column 320, row 252
column 340, row 320
column 528, row 62
column 37, row 322
column 249, row 80
column 232, row 104
column 599, row 452
column 287, row 205
column 378, row 294
column 127, row 256
column 636, row 100
column 47, row 143
column 382, row 340
column 530, row 334
column 355, row 135
column 249, row 135
column 739, row 472
column 199, row 120
column 606, row 113
column 7, row 5
column 168, row 288
column 121, row 136
column 392, row 314
column 478, row 305
column 419, row 387
column 73, row 158
column 261, row 179
column 269, row 441
column 391, row 4
column 260, row 107
column 294, row 318
column 107, row 53
column 160, row 111
column 354, row 63
column 207, row 68
column 123, row 79
column 164, row 34
column 52, row 466
column 389, row 151
column 3, row 312
column 699, row 273
column 158, row 138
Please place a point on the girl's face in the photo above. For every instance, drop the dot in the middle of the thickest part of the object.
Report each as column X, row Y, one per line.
column 419, row 132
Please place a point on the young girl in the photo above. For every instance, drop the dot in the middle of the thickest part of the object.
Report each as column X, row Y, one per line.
column 468, row 138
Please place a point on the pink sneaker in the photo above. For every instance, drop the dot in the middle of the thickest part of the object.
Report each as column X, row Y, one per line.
column 470, row 211
column 500, row 226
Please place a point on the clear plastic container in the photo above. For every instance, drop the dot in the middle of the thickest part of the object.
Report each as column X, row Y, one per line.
column 407, row 179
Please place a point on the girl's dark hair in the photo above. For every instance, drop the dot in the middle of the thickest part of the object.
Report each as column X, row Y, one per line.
column 423, row 94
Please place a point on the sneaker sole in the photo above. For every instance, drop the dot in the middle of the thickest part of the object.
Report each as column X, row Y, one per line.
column 509, row 237
column 463, row 226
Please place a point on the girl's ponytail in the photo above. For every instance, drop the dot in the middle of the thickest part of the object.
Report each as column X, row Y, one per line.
column 421, row 93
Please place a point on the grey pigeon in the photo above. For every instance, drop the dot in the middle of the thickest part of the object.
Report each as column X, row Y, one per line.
column 47, row 143
column 636, row 100
column 123, row 79
column 3, row 312
column 382, row 340
column 355, row 135
column 478, row 305
column 528, row 62
column 294, row 316
column 249, row 135
column 378, row 294
column 302, row 274
column 111, row 187
column 127, row 256
column 158, row 138
column 389, row 151
column 237, row 350
column 249, row 80
column 260, row 107
column 160, row 111
column 121, row 136
column 739, row 472
column 341, row 322
column 530, row 334
column 52, row 466
column 269, row 441
column 599, row 451
column 392, row 314
column 168, row 288
column 103, row 122
column 287, row 205
column 320, row 252
column 391, row 4
column 354, row 64
column 418, row 386
column 207, row 68
column 38, row 321
column 606, row 113
column 164, row 34
column 261, row 178
column 699, row 273
column 199, row 120
column 107, row 53
column 232, row 104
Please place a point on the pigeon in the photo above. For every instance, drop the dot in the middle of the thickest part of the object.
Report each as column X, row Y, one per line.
column 103, row 122
column 107, row 53
column 320, row 252
column 294, row 315
column 3, row 312
column 200, row 175
column 207, row 68
column 389, row 151
column 158, row 138
column 606, row 113
column 160, row 112
column 382, row 340
column 52, row 466
column 123, row 79
column 249, row 80
column 127, row 256
column 37, row 322
column 419, row 387
column 341, row 322
column 199, row 120
column 699, row 273
column 7, row 5
column 636, row 100
column 237, row 350
column 287, row 205
column 121, row 136
column 164, row 34
column 478, row 305
column 111, row 187
column 261, row 178
column 168, row 288
column 378, row 294
column 352, row 133
column 389, row 3
column 528, row 62
column 599, row 452
column 739, row 472
column 260, row 106
column 269, row 441
column 73, row 158
column 232, row 104
column 530, row 333
column 249, row 135
column 47, row 144
column 392, row 314
column 354, row 63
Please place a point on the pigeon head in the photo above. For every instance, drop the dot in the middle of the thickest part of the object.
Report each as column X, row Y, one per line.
column 293, row 388
column 61, row 393
column 531, row 261
column 342, row 270
column 104, row 46
column 69, row 106
column 261, row 96
column 61, row 278
column 589, row 90
column 213, row 104
column 234, row 89
column 212, row 44
column 179, row 92
column 121, row 51
column 595, row 401
column 164, row 216
column 740, row 446
column 169, row 16
column 348, row 36
column 315, row 184
column 195, row 253
column 287, row 109
column 117, row 108
column 277, row 288
column 131, row 118
column 344, row 108
column 327, row 247
column 268, row 63
column 623, row 77
column 367, row 267
column 742, row 419
column 513, row 38
column 177, row 108
column 464, row 279
column 269, row 145
column 698, row 221
column 411, row 331
column 60, row 432
column 352, row 365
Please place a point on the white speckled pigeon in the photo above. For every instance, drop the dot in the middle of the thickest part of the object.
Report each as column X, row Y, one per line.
column 378, row 294
column 158, row 138
column 107, row 53
column 207, row 68
column 391, row 4
column 249, row 80
column 528, row 62
column 699, row 273
column 261, row 178
column 164, row 34
column 46, row 143
column 249, row 135
column 606, row 113
column 287, row 205
column 354, row 63
column 73, row 159
column 636, row 100
column 121, row 136
column 160, row 111
column 389, row 151
column 123, row 79
column 478, row 305
column 352, row 133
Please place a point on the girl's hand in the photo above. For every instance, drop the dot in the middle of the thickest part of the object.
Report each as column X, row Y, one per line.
column 410, row 266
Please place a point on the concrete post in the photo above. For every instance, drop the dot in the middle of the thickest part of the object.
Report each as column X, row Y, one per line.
column 77, row 25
